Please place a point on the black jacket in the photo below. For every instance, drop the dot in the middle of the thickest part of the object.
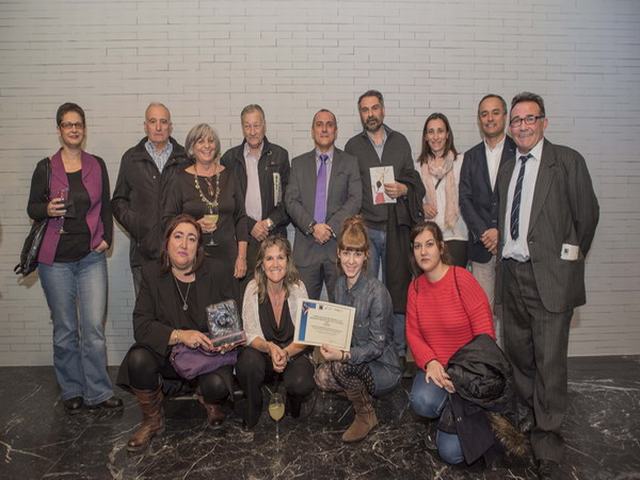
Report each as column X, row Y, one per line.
column 478, row 201
column 136, row 198
column 274, row 159
column 482, row 377
column 403, row 215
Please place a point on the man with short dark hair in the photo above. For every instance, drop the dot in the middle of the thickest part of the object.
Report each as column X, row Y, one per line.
column 262, row 168
column 324, row 189
column 144, row 170
column 391, row 212
column 547, row 221
column 478, row 201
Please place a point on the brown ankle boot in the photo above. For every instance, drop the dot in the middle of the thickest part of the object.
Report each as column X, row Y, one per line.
column 365, row 416
column 215, row 414
column 150, row 402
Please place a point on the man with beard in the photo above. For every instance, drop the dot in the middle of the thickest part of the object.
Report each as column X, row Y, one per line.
column 388, row 224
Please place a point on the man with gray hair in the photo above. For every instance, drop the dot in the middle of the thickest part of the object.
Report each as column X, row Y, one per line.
column 548, row 213
column 144, row 170
column 262, row 169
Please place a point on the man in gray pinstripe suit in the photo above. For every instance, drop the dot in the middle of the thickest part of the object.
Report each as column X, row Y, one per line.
column 548, row 217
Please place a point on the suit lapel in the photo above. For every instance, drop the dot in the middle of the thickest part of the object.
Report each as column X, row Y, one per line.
column 484, row 167
column 504, row 178
column 335, row 165
column 310, row 193
column 543, row 182
column 508, row 152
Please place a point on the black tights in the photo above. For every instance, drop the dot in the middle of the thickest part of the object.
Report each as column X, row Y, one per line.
column 145, row 366
column 254, row 368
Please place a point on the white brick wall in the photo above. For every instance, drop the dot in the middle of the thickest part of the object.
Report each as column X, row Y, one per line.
column 207, row 59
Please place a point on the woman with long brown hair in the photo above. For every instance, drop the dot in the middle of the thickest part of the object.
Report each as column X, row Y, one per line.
column 268, row 311
column 439, row 164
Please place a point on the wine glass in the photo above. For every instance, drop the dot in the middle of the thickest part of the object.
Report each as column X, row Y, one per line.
column 212, row 217
column 63, row 194
column 276, row 411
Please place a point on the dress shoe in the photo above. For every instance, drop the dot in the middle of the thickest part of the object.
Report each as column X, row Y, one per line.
column 110, row 403
column 73, row 405
column 549, row 470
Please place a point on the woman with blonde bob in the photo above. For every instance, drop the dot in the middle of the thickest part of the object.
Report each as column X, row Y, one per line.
column 370, row 366
column 268, row 310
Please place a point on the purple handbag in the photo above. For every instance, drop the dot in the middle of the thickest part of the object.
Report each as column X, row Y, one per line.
column 191, row 362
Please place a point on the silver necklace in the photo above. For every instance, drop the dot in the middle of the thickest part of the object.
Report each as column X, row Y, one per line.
column 183, row 297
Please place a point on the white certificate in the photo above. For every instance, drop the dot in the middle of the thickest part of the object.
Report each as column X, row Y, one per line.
column 318, row 323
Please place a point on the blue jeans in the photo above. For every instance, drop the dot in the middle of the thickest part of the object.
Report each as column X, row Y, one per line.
column 77, row 296
column 428, row 400
column 377, row 248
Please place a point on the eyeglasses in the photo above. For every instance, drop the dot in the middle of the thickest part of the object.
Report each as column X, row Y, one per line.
column 528, row 120
column 71, row 125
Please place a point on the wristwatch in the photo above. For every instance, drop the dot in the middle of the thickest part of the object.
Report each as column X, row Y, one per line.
column 310, row 228
column 270, row 224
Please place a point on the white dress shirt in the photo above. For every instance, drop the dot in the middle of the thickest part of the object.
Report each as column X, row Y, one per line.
column 493, row 160
column 253, row 199
column 519, row 249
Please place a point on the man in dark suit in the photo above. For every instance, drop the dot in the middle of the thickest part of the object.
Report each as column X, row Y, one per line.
column 324, row 189
column 144, row 171
column 547, row 220
column 478, row 202
column 262, row 169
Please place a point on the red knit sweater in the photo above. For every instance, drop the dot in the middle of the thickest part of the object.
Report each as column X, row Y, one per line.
column 437, row 324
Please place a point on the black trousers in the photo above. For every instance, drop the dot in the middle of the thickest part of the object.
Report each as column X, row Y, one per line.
column 536, row 342
column 254, row 368
column 145, row 365
column 458, row 251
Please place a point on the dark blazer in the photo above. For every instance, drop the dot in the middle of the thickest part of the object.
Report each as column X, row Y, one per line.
column 158, row 311
column 274, row 160
column 564, row 210
column 136, row 198
column 343, row 200
column 478, row 202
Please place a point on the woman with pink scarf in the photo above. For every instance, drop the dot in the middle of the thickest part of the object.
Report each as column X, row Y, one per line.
column 439, row 164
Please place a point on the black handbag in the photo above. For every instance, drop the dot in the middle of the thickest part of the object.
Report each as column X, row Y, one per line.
column 31, row 248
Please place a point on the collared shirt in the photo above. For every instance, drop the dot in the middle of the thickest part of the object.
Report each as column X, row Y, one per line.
column 379, row 148
column 329, row 153
column 493, row 160
column 160, row 158
column 253, row 199
column 519, row 249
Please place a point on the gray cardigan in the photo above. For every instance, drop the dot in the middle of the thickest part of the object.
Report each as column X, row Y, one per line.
column 371, row 342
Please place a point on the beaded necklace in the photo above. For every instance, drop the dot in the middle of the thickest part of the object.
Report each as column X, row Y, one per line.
column 205, row 200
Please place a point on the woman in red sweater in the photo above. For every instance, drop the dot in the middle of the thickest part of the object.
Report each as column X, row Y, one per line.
column 446, row 309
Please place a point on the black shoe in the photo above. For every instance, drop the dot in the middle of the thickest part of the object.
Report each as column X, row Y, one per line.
column 73, row 405
column 110, row 403
column 549, row 470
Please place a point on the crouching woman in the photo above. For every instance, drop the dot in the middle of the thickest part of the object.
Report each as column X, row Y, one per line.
column 370, row 367
column 171, row 310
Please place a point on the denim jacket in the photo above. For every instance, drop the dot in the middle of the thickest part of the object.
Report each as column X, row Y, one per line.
column 370, row 342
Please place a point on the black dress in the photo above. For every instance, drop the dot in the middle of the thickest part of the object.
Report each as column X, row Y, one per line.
column 181, row 196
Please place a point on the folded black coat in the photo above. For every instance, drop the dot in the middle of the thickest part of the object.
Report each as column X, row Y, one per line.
column 482, row 377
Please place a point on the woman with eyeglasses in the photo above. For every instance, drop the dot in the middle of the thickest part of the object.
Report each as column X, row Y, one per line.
column 71, row 189
column 439, row 164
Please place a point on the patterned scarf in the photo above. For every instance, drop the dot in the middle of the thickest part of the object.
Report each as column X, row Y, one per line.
column 446, row 174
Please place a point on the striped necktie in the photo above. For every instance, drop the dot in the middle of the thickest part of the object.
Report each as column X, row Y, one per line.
column 517, row 195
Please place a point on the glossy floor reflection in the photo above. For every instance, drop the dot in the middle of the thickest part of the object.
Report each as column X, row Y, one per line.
column 37, row 439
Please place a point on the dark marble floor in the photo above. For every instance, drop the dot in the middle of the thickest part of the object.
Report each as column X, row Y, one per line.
column 37, row 439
